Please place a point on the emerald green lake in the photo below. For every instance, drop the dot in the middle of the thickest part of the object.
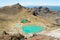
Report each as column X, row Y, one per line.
column 32, row 29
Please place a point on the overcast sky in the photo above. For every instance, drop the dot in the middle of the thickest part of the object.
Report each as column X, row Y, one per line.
column 30, row 2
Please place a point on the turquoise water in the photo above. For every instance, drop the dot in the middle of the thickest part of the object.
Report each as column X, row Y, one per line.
column 32, row 29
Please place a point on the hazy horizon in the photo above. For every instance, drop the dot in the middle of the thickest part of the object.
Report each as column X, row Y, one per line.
column 30, row 2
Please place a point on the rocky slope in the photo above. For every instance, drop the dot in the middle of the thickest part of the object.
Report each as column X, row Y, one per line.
column 9, row 15
column 21, row 37
column 46, row 13
column 42, row 16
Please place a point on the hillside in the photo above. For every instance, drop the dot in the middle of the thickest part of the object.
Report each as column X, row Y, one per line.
column 42, row 16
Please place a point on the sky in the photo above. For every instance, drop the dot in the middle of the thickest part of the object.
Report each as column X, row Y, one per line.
column 30, row 2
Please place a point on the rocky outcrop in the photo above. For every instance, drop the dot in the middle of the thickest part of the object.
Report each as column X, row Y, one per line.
column 21, row 37
column 7, row 36
column 47, row 14
column 57, row 22
column 43, row 37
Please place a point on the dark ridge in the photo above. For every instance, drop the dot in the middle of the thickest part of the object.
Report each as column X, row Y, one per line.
column 35, row 13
